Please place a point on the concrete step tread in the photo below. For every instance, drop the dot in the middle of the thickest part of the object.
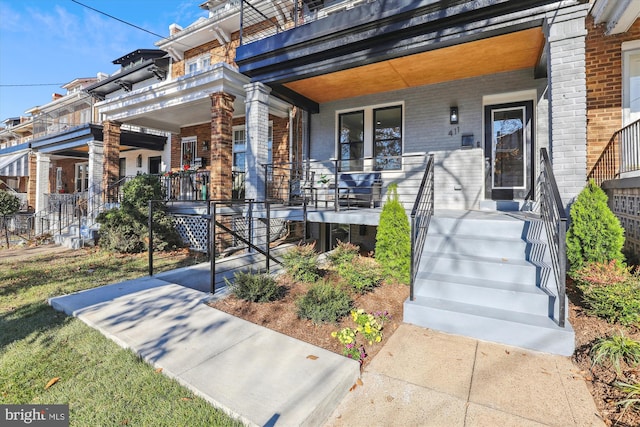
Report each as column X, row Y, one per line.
column 517, row 259
column 492, row 313
column 470, row 237
column 424, row 278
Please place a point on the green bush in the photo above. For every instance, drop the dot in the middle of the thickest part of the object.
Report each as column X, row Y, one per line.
column 610, row 291
column 324, row 303
column 393, row 239
column 361, row 274
column 595, row 234
column 343, row 253
column 613, row 350
column 9, row 204
column 255, row 287
column 301, row 263
column 126, row 229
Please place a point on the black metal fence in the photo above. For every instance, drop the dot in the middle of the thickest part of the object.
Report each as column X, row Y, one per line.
column 420, row 219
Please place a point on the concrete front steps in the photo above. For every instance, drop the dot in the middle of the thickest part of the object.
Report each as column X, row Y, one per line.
column 484, row 275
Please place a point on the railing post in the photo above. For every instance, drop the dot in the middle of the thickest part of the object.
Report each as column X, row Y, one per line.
column 562, row 261
column 59, row 217
column 413, row 251
column 336, row 190
column 150, row 237
column 267, row 206
column 212, row 250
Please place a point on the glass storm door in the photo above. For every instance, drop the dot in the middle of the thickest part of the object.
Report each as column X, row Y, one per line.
column 508, row 151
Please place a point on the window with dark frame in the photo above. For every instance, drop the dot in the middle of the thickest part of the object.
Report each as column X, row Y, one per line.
column 387, row 138
column 351, row 141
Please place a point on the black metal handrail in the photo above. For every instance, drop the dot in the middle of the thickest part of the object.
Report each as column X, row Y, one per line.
column 620, row 155
column 554, row 217
column 420, row 218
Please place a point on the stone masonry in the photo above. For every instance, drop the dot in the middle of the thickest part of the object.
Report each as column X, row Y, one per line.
column 221, row 182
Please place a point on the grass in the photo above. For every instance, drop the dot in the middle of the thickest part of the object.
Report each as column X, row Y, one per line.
column 102, row 383
column 614, row 350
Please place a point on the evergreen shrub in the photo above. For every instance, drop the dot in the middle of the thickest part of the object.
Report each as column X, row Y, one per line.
column 324, row 303
column 393, row 239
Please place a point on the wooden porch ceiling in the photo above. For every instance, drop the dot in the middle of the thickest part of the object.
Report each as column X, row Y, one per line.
column 507, row 52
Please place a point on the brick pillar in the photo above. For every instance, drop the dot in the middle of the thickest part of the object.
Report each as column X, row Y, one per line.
column 220, row 151
column 565, row 31
column 33, row 180
column 257, row 119
column 111, row 153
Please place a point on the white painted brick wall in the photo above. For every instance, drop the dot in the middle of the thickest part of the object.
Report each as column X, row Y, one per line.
column 257, row 127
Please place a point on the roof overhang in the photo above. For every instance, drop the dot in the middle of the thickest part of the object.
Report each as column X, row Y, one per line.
column 404, row 44
column 618, row 15
column 15, row 164
column 186, row 101
column 157, row 67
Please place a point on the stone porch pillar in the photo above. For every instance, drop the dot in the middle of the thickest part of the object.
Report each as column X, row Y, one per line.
column 220, row 152
column 96, row 172
column 565, row 32
column 111, row 154
column 33, row 179
column 43, row 164
column 257, row 126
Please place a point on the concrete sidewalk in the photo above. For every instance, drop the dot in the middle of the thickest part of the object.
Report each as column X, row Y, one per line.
column 427, row 378
column 419, row 378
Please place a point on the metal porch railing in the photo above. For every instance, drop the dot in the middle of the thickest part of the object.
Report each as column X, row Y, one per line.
column 555, row 221
column 621, row 155
column 420, row 218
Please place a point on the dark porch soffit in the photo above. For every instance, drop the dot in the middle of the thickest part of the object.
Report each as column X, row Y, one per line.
column 81, row 135
column 366, row 35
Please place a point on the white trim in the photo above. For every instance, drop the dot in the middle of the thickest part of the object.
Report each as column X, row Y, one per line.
column 508, row 97
column 628, row 49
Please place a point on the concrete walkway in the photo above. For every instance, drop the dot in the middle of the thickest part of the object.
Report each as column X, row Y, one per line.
column 265, row 378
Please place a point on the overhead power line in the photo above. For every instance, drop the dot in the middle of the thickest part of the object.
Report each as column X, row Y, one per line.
column 118, row 19
column 32, row 84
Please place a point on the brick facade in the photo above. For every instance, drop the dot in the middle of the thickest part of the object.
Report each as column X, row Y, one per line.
column 221, row 182
column 225, row 53
column 31, row 186
column 604, row 85
column 111, row 150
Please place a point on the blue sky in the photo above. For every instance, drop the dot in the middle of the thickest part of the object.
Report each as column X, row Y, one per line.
column 57, row 41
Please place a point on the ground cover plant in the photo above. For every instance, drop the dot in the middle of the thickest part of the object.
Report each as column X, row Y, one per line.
column 102, row 383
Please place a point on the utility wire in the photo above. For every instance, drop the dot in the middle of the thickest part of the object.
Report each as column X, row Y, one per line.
column 33, row 84
column 119, row 20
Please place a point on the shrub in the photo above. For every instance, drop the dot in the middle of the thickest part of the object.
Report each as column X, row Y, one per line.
column 255, row 287
column 595, row 234
column 324, row 303
column 343, row 253
column 126, row 228
column 9, row 204
column 610, row 291
column 393, row 239
column 614, row 350
column 301, row 263
column 361, row 274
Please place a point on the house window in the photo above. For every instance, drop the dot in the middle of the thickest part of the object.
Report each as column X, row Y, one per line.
column 631, row 83
column 122, row 168
column 82, row 177
column 370, row 133
column 351, row 140
column 240, row 147
column 197, row 64
column 387, row 138
column 188, row 152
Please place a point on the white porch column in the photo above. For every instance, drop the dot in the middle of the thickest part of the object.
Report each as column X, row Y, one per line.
column 565, row 31
column 96, row 168
column 43, row 163
column 257, row 129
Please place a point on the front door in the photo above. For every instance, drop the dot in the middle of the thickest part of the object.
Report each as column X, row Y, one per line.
column 509, row 151
column 154, row 165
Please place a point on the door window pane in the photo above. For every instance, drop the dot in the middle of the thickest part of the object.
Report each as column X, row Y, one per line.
column 387, row 138
column 351, row 141
column 508, row 148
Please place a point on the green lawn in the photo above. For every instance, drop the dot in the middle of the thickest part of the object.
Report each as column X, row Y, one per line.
column 103, row 384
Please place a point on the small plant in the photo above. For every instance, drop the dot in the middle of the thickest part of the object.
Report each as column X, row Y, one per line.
column 324, row 303
column 255, row 287
column 616, row 349
column 301, row 263
column 343, row 253
column 9, row 204
column 361, row 274
column 610, row 291
column 347, row 337
column 595, row 234
column 368, row 326
column 393, row 239
column 633, row 394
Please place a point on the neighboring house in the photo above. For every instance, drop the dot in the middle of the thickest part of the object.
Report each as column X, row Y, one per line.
column 613, row 109
column 14, row 158
column 196, row 94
